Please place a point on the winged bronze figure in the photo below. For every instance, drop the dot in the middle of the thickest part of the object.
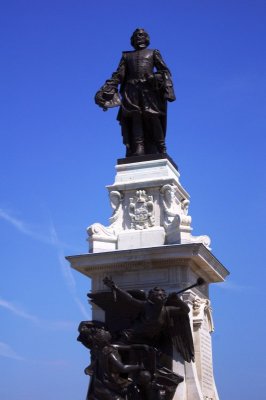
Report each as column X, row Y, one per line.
column 157, row 319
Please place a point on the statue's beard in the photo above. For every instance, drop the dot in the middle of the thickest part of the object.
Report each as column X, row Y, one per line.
column 141, row 45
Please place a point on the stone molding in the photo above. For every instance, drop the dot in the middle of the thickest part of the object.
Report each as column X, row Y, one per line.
column 201, row 260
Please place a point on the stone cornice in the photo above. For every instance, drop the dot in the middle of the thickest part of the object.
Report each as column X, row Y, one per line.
column 153, row 257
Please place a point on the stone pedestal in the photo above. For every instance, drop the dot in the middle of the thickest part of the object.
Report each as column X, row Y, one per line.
column 149, row 243
column 150, row 208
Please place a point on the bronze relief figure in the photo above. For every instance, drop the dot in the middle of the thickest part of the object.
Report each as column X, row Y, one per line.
column 132, row 351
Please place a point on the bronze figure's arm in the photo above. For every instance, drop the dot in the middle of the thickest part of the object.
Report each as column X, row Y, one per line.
column 119, row 75
column 120, row 367
column 107, row 96
column 124, row 297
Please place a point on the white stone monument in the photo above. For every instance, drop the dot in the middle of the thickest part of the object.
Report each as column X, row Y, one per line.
column 149, row 243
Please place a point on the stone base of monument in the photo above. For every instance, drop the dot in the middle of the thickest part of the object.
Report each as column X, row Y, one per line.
column 149, row 243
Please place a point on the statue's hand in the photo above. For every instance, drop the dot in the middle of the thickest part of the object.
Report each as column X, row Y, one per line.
column 169, row 94
column 99, row 99
column 109, row 282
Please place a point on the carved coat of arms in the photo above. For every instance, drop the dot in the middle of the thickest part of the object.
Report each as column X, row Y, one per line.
column 141, row 210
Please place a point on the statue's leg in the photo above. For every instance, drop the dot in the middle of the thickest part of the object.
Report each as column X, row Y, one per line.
column 156, row 133
column 125, row 128
column 137, row 135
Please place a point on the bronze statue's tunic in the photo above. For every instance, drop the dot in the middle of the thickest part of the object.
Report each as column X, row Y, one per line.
column 139, row 89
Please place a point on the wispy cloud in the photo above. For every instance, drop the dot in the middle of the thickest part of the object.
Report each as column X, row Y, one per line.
column 30, row 230
column 51, row 239
column 52, row 363
column 20, row 312
column 25, row 228
column 66, row 271
column 8, row 352
column 229, row 285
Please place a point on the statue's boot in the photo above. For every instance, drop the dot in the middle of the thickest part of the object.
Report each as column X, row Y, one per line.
column 160, row 139
column 139, row 149
column 158, row 135
column 128, row 151
column 137, row 135
column 161, row 146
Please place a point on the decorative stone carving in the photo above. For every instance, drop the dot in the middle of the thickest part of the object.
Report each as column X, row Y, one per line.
column 99, row 233
column 203, row 327
column 116, row 204
column 185, row 218
column 202, row 309
column 176, row 221
column 171, row 208
column 141, row 211
column 176, row 218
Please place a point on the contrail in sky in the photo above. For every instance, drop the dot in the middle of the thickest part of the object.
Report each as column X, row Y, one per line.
column 28, row 230
column 51, row 239
column 24, row 228
column 8, row 352
column 20, row 312
column 229, row 285
column 66, row 271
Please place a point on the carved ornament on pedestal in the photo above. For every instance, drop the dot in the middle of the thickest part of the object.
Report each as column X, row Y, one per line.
column 141, row 210
column 176, row 221
column 100, row 234
column 201, row 310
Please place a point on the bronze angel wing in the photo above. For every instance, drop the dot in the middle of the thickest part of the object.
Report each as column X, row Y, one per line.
column 179, row 328
column 119, row 315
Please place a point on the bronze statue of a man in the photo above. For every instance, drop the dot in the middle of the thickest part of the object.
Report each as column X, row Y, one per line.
column 145, row 87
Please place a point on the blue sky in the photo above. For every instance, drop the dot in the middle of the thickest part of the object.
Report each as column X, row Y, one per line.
column 58, row 151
